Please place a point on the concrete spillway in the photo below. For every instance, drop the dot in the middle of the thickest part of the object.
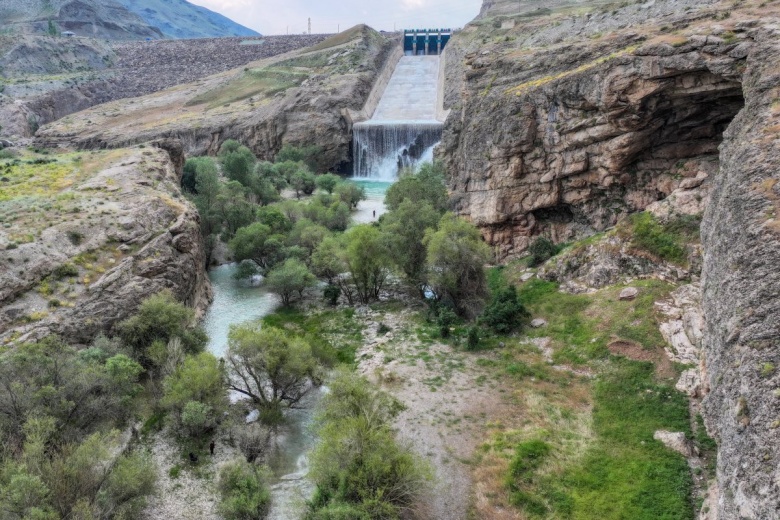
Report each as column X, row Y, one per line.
column 403, row 129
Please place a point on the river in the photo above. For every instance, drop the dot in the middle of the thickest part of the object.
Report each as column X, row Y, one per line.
column 237, row 302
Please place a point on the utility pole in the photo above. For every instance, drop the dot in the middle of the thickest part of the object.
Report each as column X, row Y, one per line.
column 309, row 25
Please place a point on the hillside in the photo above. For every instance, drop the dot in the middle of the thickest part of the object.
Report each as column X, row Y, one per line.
column 118, row 20
column 97, row 19
column 181, row 19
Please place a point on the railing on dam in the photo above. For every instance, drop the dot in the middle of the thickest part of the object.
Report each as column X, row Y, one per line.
column 425, row 42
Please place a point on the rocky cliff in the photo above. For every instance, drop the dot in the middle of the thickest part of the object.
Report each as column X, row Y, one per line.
column 299, row 98
column 569, row 117
column 87, row 236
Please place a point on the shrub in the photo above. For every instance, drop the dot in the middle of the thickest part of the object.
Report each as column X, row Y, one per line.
column 505, row 313
column 65, row 270
column 472, row 338
column 246, row 269
column 664, row 242
column 331, row 293
column 358, row 465
column 243, row 491
column 541, row 250
column 123, row 495
column 159, row 319
column 445, row 318
column 197, row 419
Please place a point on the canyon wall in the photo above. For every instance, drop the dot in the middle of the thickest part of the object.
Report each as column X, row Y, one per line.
column 108, row 230
column 567, row 117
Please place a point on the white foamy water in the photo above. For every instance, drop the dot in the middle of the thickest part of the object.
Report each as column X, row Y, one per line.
column 403, row 129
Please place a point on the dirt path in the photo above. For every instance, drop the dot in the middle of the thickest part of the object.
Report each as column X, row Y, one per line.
column 449, row 401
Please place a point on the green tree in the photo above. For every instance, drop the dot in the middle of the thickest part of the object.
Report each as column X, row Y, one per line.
column 270, row 172
column 243, row 491
column 257, row 242
column 307, row 235
column 234, row 209
column 192, row 166
column 274, row 218
column 358, row 466
column 368, row 261
column 207, row 188
column 327, row 182
column 161, row 318
column 195, row 394
column 303, row 182
column 456, row 264
column 246, row 269
column 270, row 367
column 426, row 185
column 404, row 230
column 289, row 278
column 310, row 155
column 350, row 193
column 505, row 313
column 229, row 146
column 76, row 391
column 238, row 165
column 52, row 29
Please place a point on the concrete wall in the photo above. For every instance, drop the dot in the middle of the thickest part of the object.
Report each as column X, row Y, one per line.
column 379, row 88
column 441, row 113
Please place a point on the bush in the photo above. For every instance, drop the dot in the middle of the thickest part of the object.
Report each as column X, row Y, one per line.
column 243, row 491
column 123, row 495
column 445, row 318
column 65, row 270
column 541, row 250
column 505, row 313
column 331, row 293
column 246, row 269
column 358, row 465
column 472, row 338
column 197, row 419
column 664, row 241
column 426, row 185
column 160, row 318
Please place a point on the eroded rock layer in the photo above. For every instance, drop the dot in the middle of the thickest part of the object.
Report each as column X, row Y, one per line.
column 108, row 230
column 567, row 118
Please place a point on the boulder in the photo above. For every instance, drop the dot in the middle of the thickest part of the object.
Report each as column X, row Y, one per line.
column 538, row 322
column 675, row 441
column 629, row 293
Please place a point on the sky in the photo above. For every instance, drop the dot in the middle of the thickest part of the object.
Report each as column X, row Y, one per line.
column 328, row 16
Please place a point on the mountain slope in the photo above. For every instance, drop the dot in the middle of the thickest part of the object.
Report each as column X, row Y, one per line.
column 98, row 19
column 181, row 19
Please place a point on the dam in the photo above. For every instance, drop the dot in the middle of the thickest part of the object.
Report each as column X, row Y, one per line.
column 405, row 125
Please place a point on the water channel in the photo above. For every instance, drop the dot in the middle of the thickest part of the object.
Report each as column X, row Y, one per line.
column 236, row 302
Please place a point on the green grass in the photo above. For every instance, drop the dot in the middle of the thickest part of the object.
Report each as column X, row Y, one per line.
column 581, row 326
column 333, row 334
column 665, row 240
column 621, row 472
column 253, row 82
column 626, row 473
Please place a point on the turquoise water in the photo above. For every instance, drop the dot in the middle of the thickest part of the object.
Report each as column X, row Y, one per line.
column 237, row 302
column 375, row 190
column 234, row 302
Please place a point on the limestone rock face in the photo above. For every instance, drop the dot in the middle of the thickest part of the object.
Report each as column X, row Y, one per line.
column 129, row 234
column 562, row 123
column 741, row 239
column 563, row 139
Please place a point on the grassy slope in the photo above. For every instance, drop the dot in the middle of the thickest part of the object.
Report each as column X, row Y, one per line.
column 603, row 462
